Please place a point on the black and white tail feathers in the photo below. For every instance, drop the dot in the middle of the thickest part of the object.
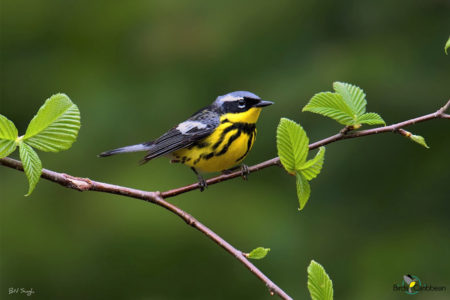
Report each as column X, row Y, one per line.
column 182, row 136
column 126, row 149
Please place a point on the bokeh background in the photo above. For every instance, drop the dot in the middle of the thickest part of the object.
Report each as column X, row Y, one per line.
column 379, row 210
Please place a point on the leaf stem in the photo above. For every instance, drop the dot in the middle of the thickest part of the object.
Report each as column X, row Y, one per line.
column 18, row 140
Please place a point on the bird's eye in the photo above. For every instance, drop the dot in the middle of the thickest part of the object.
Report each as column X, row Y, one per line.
column 241, row 104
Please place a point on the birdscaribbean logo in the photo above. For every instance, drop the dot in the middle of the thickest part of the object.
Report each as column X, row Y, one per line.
column 412, row 285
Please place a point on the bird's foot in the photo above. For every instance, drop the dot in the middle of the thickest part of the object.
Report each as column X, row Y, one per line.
column 202, row 184
column 201, row 181
column 245, row 171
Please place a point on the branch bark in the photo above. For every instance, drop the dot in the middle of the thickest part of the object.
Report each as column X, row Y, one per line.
column 85, row 184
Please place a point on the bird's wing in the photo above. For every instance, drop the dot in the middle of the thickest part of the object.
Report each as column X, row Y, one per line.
column 184, row 135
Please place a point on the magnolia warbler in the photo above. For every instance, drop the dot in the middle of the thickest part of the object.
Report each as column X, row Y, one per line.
column 216, row 138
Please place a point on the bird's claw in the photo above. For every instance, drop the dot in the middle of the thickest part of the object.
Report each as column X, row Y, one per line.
column 202, row 184
column 201, row 181
column 245, row 172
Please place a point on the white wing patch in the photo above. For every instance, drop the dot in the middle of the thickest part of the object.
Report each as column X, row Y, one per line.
column 188, row 125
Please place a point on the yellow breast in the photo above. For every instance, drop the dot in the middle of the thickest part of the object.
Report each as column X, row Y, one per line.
column 225, row 148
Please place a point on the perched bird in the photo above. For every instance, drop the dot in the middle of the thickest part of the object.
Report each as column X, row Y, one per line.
column 216, row 138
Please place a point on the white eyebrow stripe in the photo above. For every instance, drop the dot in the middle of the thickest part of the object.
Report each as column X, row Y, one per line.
column 230, row 98
column 188, row 125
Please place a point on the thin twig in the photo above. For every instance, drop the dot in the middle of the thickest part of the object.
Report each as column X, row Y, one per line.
column 85, row 184
column 342, row 135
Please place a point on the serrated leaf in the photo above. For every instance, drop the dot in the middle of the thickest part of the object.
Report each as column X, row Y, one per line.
column 7, row 147
column 371, row 119
column 319, row 283
column 447, row 45
column 419, row 140
column 8, row 130
column 258, row 253
column 353, row 96
column 312, row 167
column 31, row 164
column 331, row 105
column 55, row 126
column 303, row 190
column 292, row 144
column 8, row 136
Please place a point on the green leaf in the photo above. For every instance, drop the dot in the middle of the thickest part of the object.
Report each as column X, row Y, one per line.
column 258, row 253
column 447, row 45
column 331, row 105
column 8, row 130
column 312, row 167
column 7, row 147
column 371, row 119
column 8, row 136
column 31, row 164
column 55, row 126
column 303, row 190
column 319, row 283
column 347, row 106
column 292, row 144
column 353, row 96
column 419, row 140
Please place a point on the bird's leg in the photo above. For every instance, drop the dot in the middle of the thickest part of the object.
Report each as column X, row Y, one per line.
column 201, row 181
column 244, row 171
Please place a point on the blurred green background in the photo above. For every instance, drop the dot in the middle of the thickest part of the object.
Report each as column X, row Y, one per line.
column 379, row 210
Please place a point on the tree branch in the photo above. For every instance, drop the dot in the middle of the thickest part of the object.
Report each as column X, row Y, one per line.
column 85, row 184
column 342, row 135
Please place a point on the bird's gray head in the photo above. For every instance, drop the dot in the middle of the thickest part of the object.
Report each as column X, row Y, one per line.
column 239, row 101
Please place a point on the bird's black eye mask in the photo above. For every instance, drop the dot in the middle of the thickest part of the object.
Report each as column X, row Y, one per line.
column 239, row 106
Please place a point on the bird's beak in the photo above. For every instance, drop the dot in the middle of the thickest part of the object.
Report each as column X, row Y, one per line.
column 263, row 103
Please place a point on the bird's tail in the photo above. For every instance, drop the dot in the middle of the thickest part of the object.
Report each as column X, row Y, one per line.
column 126, row 149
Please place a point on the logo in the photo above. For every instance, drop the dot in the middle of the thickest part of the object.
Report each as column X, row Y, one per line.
column 412, row 285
